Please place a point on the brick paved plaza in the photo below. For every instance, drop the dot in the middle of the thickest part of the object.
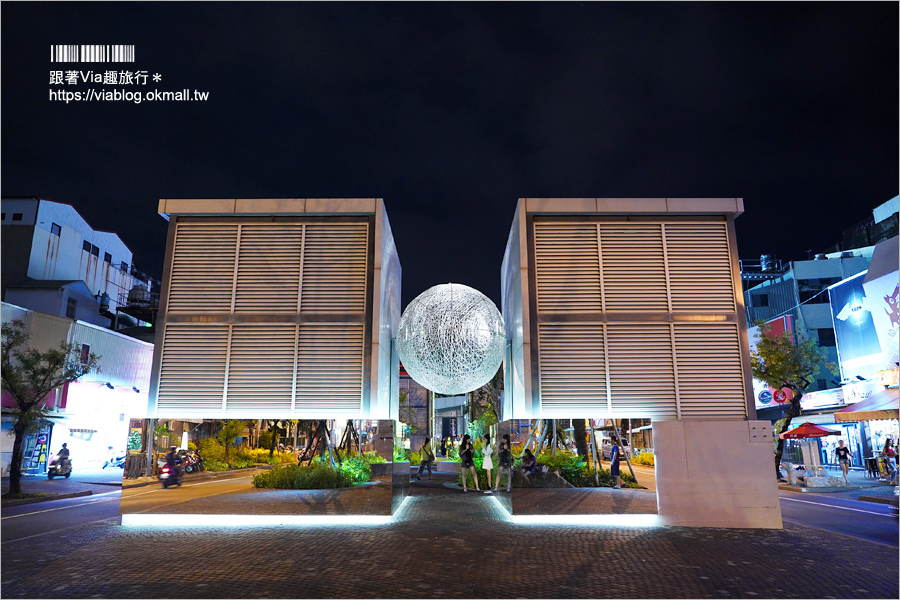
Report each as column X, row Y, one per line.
column 444, row 543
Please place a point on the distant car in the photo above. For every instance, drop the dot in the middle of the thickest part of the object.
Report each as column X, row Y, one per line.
column 606, row 449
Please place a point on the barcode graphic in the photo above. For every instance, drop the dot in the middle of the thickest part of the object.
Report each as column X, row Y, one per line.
column 91, row 53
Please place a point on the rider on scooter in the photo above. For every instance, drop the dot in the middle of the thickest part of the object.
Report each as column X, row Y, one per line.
column 63, row 455
column 173, row 461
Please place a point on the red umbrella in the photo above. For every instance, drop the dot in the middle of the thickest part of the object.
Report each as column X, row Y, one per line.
column 807, row 430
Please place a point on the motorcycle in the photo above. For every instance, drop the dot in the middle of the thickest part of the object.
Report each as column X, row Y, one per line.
column 170, row 475
column 61, row 466
column 193, row 463
column 116, row 461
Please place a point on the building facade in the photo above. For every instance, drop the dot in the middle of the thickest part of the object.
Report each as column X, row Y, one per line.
column 53, row 261
column 95, row 410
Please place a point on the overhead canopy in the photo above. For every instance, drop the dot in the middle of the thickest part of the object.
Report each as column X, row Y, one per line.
column 807, row 430
column 880, row 405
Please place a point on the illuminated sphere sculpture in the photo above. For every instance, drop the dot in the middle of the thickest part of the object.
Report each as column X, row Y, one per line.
column 451, row 339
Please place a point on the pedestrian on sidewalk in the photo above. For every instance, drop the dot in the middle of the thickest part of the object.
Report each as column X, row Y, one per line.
column 467, row 460
column 427, row 457
column 843, row 455
column 443, row 447
column 890, row 457
column 488, row 463
column 614, row 462
column 504, row 462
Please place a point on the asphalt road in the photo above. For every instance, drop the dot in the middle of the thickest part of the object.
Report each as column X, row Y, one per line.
column 866, row 520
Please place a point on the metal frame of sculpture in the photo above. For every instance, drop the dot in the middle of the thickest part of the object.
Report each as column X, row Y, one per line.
column 451, row 339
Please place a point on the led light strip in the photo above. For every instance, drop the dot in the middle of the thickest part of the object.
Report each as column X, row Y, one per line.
column 582, row 520
column 169, row 520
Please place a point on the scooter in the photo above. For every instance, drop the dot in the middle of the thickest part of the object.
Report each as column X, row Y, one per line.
column 61, row 466
column 116, row 461
column 171, row 476
column 193, row 463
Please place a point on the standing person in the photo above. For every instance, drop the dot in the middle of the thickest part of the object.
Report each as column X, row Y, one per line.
column 467, row 458
column 444, row 447
column 843, row 455
column 427, row 455
column 614, row 463
column 488, row 464
column 504, row 462
column 890, row 456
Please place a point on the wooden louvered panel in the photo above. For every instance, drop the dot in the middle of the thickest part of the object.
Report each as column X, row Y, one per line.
column 642, row 374
column 269, row 268
column 700, row 278
column 192, row 371
column 334, row 268
column 329, row 369
column 634, row 274
column 566, row 267
column 572, row 369
column 261, row 370
column 202, row 277
column 710, row 380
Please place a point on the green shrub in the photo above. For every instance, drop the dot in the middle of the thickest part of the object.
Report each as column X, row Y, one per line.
column 401, row 454
column 211, row 449
column 265, row 440
column 319, row 476
column 372, row 458
column 215, row 465
column 358, row 468
column 644, row 458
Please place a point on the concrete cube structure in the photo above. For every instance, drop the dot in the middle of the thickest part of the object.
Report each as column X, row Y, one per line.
column 631, row 307
column 277, row 308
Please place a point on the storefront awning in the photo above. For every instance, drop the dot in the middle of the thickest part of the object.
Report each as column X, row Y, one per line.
column 878, row 406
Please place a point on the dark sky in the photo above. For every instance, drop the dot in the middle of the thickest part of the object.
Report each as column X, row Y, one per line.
column 451, row 112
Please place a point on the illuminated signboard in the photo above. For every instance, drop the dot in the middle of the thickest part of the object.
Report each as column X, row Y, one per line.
column 766, row 397
column 859, row 352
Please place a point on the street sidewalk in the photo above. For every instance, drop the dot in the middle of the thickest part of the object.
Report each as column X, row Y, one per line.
column 861, row 486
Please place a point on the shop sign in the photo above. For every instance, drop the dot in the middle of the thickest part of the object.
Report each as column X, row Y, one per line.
column 859, row 391
column 889, row 377
column 822, row 399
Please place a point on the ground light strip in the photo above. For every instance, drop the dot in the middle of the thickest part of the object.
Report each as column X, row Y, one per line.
column 643, row 520
column 169, row 520
column 190, row 520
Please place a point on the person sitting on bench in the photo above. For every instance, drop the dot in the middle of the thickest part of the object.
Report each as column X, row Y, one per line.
column 529, row 465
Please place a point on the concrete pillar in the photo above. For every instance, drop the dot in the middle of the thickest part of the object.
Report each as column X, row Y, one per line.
column 716, row 474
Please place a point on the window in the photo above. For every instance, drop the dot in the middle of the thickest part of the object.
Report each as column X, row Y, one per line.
column 761, row 300
column 4, row 217
column 826, row 337
column 55, row 229
column 125, row 266
column 17, row 216
column 107, row 257
column 86, row 246
column 95, row 250
column 821, row 384
column 71, row 306
column 85, row 353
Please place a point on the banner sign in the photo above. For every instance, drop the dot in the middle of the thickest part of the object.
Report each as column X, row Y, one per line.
column 859, row 352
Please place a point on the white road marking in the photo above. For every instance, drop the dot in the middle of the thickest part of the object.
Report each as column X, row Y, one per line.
column 868, row 512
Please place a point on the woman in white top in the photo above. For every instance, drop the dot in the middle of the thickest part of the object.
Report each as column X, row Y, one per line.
column 488, row 464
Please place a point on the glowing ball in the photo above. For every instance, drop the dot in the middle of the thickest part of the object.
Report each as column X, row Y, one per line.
column 451, row 339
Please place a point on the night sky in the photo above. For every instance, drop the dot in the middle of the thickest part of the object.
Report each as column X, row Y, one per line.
column 451, row 112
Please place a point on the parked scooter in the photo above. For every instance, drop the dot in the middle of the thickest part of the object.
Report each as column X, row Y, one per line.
column 192, row 462
column 61, row 466
column 116, row 461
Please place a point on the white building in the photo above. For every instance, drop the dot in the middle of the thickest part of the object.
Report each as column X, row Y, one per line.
column 55, row 262
column 95, row 409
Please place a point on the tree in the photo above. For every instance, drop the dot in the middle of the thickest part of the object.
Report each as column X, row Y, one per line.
column 780, row 363
column 487, row 398
column 29, row 376
column 231, row 429
column 579, row 432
